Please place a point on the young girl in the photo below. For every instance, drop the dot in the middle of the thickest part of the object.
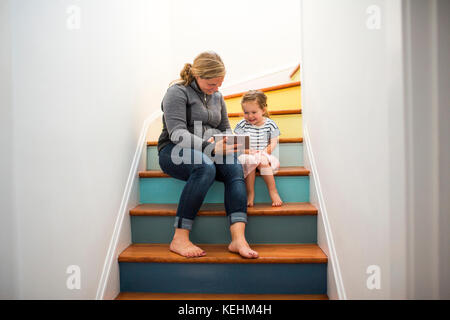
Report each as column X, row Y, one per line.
column 263, row 140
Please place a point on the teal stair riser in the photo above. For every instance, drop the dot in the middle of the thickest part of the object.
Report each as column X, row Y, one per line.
column 168, row 190
column 212, row 229
column 290, row 155
column 224, row 278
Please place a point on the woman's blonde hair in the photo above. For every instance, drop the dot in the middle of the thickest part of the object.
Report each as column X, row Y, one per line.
column 259, row 97
column 207, row 65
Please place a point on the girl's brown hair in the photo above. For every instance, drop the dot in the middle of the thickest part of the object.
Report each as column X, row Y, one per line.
column 259, row 97
column 207, row 65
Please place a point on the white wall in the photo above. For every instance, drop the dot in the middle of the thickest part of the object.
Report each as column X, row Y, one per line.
column 345, row 92
column 375, row 105
column 427, row 109
column 251, row 37
column 443, row 102
column 8, row 250
column 80, row 100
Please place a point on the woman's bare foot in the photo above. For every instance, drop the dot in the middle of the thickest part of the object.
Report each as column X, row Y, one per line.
column 276, row 200
column 183, row 246
column 243, row 248
column 238, row 243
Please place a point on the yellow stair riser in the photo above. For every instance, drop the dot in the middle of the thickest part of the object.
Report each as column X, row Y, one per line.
column 282, row 99
column 291, row 125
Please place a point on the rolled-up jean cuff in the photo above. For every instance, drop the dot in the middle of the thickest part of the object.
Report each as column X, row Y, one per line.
column 183, row 223
column 237, row 217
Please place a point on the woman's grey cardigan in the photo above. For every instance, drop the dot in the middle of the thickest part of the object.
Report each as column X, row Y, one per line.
column 191, row 117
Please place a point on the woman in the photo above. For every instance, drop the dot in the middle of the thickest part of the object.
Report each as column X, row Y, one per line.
column 193, row 109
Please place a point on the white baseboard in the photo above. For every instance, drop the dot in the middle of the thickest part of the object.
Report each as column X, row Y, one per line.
column 109, row 287
column 324, row 225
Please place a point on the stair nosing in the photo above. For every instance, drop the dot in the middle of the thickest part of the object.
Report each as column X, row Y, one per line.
column 219, row 254
column 267, row 89
column 283, row 171
column 218, row 209
column 271, row 113
column 216, row 296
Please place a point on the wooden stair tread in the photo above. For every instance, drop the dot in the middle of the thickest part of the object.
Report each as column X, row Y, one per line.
column 215, row 296
column 281, row 140
column 272, row 113
column 283, row 171
column 218, row 209
column 218, row 253
column 272, row 88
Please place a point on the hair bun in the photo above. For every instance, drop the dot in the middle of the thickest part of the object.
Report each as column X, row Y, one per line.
column 186, row 73
column 187, row 67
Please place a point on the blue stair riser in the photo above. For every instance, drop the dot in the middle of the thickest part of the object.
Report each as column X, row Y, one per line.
column 168, row 190
column 214, row 229
column 289, row 154
column 224, row 278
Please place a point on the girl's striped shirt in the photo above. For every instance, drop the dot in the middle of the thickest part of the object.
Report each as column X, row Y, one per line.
column 259, row 135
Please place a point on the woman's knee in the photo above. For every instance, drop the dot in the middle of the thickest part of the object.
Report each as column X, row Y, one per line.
column 235, row 171
column 205, row 171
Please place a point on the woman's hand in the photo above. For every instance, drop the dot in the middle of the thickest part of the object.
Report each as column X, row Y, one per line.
column 224, row 148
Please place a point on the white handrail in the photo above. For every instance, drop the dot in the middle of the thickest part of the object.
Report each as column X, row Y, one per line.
column 111, row 255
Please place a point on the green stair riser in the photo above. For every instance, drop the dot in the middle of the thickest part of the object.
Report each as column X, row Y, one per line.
column 289, row 154
column 215, row 229
column 224, row 278
column 168, row 190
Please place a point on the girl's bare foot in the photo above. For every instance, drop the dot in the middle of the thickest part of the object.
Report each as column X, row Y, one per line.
column 276, row 200
column 243, row 248
column 183, row 246
column 250, row 199
column 250, row 186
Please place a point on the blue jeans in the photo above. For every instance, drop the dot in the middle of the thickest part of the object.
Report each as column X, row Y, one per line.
column 199, row 177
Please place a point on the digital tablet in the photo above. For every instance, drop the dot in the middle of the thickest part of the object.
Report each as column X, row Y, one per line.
column 240, row 139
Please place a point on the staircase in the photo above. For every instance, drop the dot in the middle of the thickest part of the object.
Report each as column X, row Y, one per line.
column 290, row 266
